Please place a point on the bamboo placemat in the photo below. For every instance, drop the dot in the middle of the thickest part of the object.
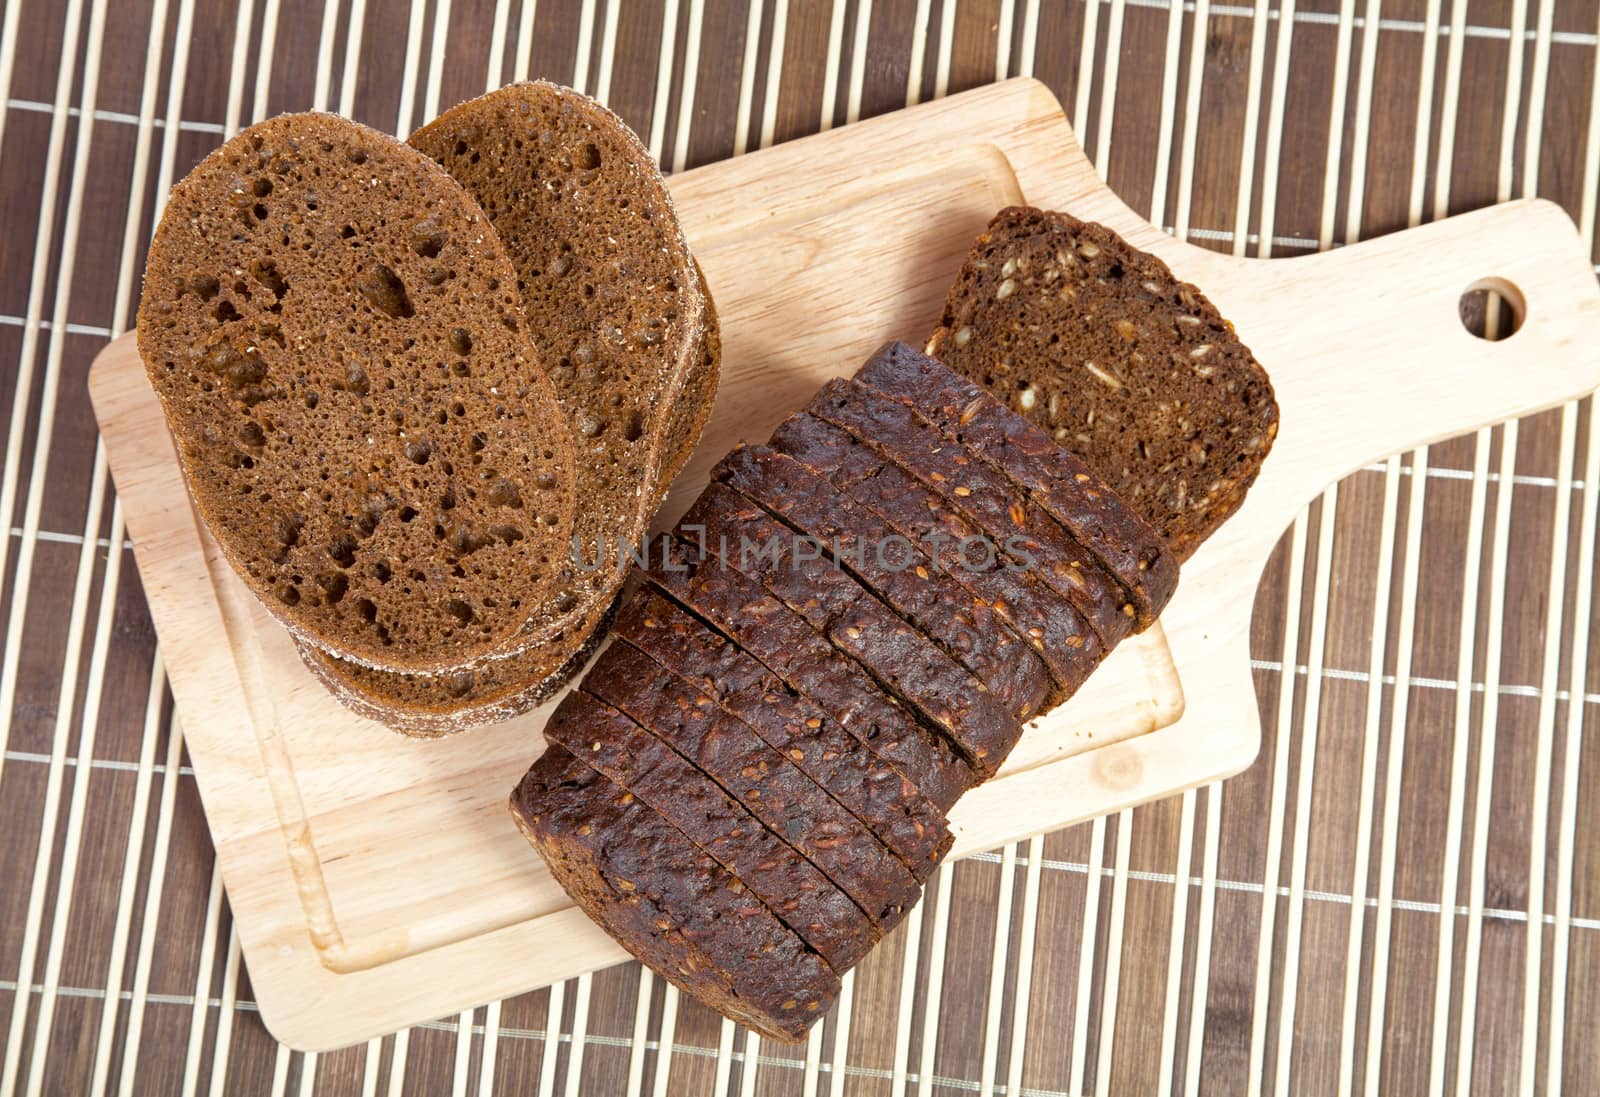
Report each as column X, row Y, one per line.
column 1421, row 637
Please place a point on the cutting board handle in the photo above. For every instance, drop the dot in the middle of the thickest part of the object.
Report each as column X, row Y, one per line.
column 1410, row 373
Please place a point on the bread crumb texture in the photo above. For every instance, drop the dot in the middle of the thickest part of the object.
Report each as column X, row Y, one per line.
column 338, row 341
column 615, row 302
column 621, row 318
column 1132, row 370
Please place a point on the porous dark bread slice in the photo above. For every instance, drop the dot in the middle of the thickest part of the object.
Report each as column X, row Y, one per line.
column 1129, row 368
column 431, row 705
column 1035, row 611
column 885, row 801
column 775, row 790
column 670, row 905
column 749, row 616
column 881, row 558
column 337, row 340
column 615, row 303
column 1013, row 523
column 900, row 658
column 794, row 889
column 1054, row 477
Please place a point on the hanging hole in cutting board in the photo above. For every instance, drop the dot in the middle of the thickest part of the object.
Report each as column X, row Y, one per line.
column 1492, row 308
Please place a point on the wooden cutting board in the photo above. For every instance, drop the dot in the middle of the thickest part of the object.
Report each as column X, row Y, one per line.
column 378, row 882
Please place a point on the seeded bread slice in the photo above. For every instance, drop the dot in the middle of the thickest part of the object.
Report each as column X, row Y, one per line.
column 901, row 659
column 615, row 303
column 877, row 793
column 611, row 743
column 916, row 586
column 1032, row 609
column 1054, row 477
column 336, row 337
column 1127, row 367
column 987, row 498
column 669, row 904
column 748, row 615
column 775, row 790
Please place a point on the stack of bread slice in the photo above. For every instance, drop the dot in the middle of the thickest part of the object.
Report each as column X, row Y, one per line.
column 853, row 623
column 471, row 366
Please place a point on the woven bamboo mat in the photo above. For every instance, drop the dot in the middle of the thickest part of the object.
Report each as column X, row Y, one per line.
column 1402, row 895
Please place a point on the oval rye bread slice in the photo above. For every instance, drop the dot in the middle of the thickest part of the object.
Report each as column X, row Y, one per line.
column 616, row 304
column 620, row 314
column 337, row 339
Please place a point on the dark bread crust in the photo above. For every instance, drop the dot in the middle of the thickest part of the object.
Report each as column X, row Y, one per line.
column 1090, row 509
column 886, row 801
column 618, row 308
column 775, row 790
column 337, row 340
column 794, row 889
column 900, row 658
column 670, row 905
column 489, row 693
column 916, row 587
column 696, row 400
column 985, row 497
column 750, row 617
column 1132, row 370
column 1040, row 615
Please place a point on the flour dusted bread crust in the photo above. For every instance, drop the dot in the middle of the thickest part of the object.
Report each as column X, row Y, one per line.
column 622, row 318
column 671, row 905
column 610, row 742
column 1132, row 370
column 337, row 339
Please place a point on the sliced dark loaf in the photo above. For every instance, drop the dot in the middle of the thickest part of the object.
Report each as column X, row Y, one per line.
column 794, row 889
column 1054, row 477
column 1034, row 610
column 901, row 659
column 748, row 615
column 337, row 340
column 670, row 905
column 1012, row 523
column 1129, row 368
column 886, row 801
column 775, row 790
column 881, row 558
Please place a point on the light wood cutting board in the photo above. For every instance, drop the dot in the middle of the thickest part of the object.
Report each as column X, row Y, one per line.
column 378, row 882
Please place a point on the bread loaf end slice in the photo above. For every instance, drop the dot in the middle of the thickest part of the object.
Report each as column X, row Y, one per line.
column 1129, row 368
column 669, row 904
